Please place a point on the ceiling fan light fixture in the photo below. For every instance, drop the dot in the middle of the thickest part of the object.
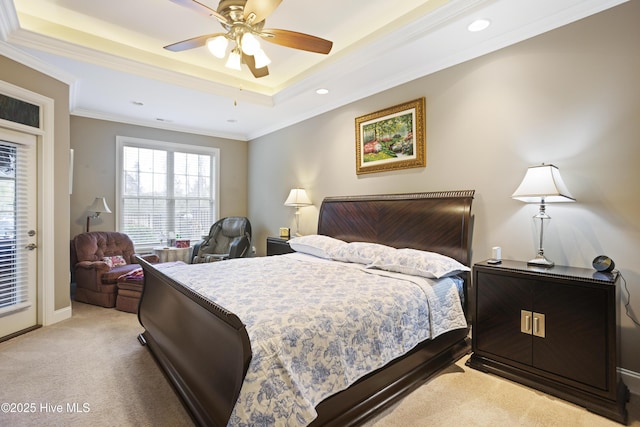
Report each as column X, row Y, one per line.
column 243, row 22
column 233, row 61
column 218, row 46
column 250, row 44
column 261, row 58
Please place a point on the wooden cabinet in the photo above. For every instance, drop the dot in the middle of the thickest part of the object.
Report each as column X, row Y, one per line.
column 551, row 329
column 278, row 246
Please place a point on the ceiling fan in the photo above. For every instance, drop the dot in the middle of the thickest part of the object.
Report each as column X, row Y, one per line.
column 244, row 22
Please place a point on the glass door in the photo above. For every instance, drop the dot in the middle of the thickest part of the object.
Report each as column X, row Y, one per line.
column 18, row 237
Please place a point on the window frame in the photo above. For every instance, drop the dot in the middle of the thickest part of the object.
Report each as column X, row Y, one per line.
column 126, row 141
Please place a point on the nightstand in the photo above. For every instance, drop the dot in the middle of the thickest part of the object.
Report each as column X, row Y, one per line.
column 554, row 329
column 278, row 246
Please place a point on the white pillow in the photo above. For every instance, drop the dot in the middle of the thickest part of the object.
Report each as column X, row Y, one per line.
column 418, row 263
column 362, row 252
column 317, row 245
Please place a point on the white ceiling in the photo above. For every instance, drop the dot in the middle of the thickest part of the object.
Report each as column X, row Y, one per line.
column 110, row 52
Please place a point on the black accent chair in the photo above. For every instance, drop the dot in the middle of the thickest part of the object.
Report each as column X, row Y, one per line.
column 228, row 238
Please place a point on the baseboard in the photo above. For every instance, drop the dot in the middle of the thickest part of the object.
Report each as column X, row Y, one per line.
column 59, row 315
column 631, row 380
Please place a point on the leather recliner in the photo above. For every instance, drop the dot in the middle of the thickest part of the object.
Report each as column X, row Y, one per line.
column 228, row 238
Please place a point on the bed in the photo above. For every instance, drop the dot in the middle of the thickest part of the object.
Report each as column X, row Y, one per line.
column 205, row 349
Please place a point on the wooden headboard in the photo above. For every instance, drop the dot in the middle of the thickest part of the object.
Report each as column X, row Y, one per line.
column 437, row 221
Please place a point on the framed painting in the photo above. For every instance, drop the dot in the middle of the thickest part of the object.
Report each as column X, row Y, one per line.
column 391, row 139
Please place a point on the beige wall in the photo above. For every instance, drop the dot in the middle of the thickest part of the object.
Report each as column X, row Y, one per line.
column 569, row 97
column 94, row 145
column 27, row 78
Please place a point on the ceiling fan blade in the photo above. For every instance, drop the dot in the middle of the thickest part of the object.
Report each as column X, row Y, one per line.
column 260, row 8
column 191, row 43
column 201, row 8
column 251, row 63
column 297, row 40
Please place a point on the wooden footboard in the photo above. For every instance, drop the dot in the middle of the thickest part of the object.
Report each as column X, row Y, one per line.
column 202, row 348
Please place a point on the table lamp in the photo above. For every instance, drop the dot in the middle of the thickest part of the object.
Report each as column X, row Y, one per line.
column 542, row 184
column 297, row 198
column 99, row 205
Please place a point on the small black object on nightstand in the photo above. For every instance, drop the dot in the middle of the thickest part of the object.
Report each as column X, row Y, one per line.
column 603, row 263
column 278, row 246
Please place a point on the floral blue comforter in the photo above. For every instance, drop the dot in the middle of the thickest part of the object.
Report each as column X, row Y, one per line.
column 317, row 326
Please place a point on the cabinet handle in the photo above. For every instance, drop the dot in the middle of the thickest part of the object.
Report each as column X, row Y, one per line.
column 538, row 323
column 539, row 328
column 525, row 322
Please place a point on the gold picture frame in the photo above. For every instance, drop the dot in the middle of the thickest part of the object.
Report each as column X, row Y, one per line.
column 391, row 139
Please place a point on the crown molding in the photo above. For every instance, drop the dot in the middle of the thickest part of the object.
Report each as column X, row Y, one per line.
column 37, row 64
column 8, row 18
column 90, row 114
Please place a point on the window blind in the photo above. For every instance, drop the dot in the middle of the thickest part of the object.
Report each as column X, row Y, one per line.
column 14, row 274
column 166, row 192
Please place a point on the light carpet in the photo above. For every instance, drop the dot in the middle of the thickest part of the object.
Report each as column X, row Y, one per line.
column 91, row 370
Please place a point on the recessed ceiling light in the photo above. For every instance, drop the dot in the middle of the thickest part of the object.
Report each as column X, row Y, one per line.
column 479, row 25
column 322, row 91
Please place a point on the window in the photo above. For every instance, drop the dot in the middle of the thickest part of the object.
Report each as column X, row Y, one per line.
column 19, row 111
column 165, row 190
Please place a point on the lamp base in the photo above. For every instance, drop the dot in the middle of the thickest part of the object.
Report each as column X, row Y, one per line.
column 540, row 261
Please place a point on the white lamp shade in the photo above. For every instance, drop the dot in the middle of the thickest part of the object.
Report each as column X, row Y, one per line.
column 99, row 205
column 218, row 46
column 250, row 44
column 261, row 58
column 540, row 183
column 297, row 197
column 233, row 61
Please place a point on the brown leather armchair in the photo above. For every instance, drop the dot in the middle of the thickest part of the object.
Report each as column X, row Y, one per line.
column 91, row 254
